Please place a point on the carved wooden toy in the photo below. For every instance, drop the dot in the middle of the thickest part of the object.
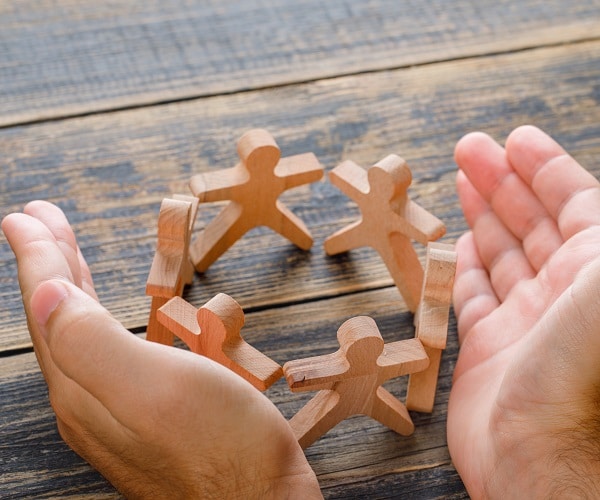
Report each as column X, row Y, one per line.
column 432, row 323
column 390, row 220
column 171, row 268
column 214, row 331
column 349, row 381
column 253, row 186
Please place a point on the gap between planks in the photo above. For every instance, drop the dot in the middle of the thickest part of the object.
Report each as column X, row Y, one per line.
column 155, row 99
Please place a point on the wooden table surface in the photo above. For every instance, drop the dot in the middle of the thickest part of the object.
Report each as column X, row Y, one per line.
column 108, row 107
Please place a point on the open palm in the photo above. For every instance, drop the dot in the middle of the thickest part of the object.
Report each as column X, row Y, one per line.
column 524, row 408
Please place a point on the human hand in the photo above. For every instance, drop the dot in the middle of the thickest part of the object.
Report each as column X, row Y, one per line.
column 524, row 410
column 154, row 420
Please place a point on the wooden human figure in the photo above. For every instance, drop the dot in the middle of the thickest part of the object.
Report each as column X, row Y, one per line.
column 432, row 323
column 349, row 381
column 171, row 267
column 253, row 186
column 390, row 220
column 214, row 331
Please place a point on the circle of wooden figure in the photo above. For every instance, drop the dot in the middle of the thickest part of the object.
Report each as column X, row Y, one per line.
column 389, row 221
column 253, row 186
column 214, row 331
column 171, row 267
column 349, row 381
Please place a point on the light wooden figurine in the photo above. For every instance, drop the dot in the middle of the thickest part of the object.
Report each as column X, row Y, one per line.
column 390, row 220
column 253, row 186
column 171, row 267
column 349, row 381
column 214, row 331
column 432, row 323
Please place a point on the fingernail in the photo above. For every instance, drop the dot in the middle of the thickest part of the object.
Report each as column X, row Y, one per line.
column 44, row 301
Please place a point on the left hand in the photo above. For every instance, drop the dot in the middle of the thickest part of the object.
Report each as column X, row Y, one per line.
column 156, row 421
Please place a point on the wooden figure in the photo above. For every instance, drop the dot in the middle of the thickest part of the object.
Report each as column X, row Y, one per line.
column 390, row 220
column 253, row 186
column 349, row 381
column 214, row 331
column 171, row 267
column 432, row 323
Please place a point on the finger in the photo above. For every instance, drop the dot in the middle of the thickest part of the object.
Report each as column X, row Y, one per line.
column 38, row 259
column 485, row 164
column 473, row 295
column 499, row 250
column 87, row 282
column 70, row 322
column 85, row 423
column 569, row 193
column 38, row 254
column 54, row 219
column 93, row 349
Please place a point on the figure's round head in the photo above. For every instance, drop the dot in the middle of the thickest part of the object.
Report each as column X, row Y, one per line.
column 223, row 317
column 258, row 149
column 390, row 177
column 361, row 343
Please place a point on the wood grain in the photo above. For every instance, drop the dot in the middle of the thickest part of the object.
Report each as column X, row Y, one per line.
column 110, row 172
column 108, row 107
column 358, row 457
column 69, row 58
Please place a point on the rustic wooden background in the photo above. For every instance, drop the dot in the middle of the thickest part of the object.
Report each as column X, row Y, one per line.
column 106, row 108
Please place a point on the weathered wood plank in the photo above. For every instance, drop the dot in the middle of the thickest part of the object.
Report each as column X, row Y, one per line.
column 63, row 58
column 359, row 458
column 110, row 172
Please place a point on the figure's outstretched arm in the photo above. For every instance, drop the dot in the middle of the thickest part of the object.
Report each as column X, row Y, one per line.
column 298, row 170
column 401, row 358
column 315, row 373
column 219, row 185
column 252, row 365
column 179, row 317
column 421, row 225
column 351, row 179
column 347, row 238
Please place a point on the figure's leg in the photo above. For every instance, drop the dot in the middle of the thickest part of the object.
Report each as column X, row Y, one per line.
column 188, row 272
column 226, row 228
column 155, row 331
column 405, row 268
column 420, row 393
column 346, row 239
column 391, row 412
column 290, row 226
column 317, row 417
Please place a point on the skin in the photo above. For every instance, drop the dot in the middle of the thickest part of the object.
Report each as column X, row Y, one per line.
column 149, row 438
column 524, row 412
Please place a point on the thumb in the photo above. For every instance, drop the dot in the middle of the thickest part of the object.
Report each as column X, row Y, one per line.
column 45, row 300
column 85, row 342
column 126, row 374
